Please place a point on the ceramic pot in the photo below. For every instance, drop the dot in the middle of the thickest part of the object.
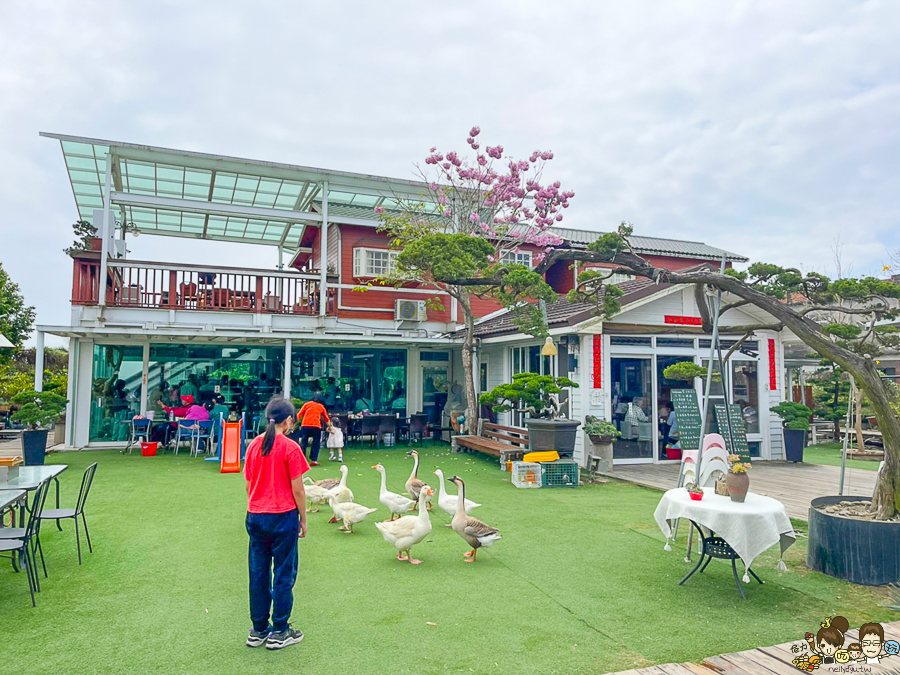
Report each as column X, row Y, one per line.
column 738, row 484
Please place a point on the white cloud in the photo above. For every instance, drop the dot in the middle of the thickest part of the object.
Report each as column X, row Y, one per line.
column 761, row 127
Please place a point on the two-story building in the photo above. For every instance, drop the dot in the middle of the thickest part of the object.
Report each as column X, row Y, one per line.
column 142, row 331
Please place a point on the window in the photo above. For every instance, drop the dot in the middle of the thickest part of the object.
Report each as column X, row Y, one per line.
column 373, row 262
column 745, row 392
column 675, row 342
column 516, row 257
column 434, row 356
column 618, row 278
column 631, row 341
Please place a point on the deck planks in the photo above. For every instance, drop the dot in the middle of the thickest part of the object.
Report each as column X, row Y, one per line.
column 794, row 485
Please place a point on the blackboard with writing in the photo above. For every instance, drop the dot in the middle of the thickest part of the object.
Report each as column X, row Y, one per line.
column 738, row 430
column 687, row 415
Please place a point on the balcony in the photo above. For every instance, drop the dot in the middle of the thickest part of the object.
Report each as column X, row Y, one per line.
column 157, row 285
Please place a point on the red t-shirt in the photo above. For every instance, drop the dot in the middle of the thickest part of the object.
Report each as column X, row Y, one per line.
column 270, row 476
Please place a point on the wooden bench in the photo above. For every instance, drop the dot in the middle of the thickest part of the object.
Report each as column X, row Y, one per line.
column 495, row 440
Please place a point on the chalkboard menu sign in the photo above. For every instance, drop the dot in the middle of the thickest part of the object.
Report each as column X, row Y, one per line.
column 738, row 430
column 687, row 414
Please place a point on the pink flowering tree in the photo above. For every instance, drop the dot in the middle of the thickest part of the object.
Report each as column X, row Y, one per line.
column 477, row 210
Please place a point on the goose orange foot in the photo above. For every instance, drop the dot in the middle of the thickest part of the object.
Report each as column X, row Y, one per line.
column 415, row 561
column 402, row 557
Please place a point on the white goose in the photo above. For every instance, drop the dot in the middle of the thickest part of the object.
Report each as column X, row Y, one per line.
column 340, row 492
column 349, row 513
column 315, row 494
column 447, row 501
column 407, row 531
column 396, row 504
column 475, row 532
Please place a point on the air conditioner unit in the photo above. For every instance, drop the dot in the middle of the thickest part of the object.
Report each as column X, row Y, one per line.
column 410, row 310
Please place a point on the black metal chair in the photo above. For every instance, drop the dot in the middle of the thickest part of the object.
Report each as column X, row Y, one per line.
column 716, row 547
column 387, row 425
column 417, row 427
column 61, row 514
column 26, row 545
column 369, row 426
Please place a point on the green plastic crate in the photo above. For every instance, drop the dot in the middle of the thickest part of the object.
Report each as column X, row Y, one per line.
column 561, row 473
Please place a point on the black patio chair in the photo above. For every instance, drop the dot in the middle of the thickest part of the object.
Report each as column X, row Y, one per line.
column 387, row 425
column 417, row 427
column 715, row 547
column 369, row 426
column 25, row 546
column 61, row 514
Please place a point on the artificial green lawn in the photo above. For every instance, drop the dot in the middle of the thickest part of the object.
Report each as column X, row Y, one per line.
column 830, row 454
column 580, row 582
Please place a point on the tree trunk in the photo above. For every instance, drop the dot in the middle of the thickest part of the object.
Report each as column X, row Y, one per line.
column 857, row 416
column 468, row 351
column 886, row 501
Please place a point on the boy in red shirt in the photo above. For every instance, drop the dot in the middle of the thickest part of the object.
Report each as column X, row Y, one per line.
column 276, row 517
column 312, row 415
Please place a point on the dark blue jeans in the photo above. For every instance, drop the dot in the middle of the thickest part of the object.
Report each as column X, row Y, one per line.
column 273, row 553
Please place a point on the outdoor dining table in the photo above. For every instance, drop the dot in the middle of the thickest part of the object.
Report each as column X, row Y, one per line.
column 736, row 529
column 28, row 479
column 9, row 498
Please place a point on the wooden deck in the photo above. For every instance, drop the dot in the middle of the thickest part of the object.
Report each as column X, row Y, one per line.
column 794, row 485
column 771, row 660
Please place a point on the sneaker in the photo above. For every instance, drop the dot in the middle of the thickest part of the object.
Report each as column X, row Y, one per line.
column 284, row 638
column 257, row 638
column 341, row 460
column 330, row 458
column 314, row 464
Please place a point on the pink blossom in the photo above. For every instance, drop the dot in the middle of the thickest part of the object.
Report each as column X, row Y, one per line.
column 446, row 165
column 379, row 210
column 474, row 131
column 473, row 217
column 432, row 187
column 492, row 258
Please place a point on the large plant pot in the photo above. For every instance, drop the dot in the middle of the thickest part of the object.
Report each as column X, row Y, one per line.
column 603, row 448
column 34, row 446
column 549, row 435
column 861, row 551
column 738, row 484
column 794, row 442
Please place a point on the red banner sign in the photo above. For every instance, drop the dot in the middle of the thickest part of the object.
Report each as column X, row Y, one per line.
column 773, row 372
column 684, row 320
column 598, row 362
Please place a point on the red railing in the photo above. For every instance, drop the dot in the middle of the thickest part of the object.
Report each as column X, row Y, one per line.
column 153, row 285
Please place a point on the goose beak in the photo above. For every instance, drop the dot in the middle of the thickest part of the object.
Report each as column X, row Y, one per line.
column 375, row 467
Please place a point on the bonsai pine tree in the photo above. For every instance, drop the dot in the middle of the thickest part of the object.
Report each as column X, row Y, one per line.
column 528, row 392
column 831, row 392
column 38, row 409
column 794, row 415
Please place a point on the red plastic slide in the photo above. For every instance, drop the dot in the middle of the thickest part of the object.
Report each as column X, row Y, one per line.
column 231, row 447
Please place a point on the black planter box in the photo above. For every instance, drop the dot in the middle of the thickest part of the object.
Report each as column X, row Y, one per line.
column 34, row 446
column 860, row 551
column 549, row 435
column 794, row 442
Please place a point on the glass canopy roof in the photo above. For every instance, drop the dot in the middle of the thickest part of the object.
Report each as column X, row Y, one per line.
column 189, row 194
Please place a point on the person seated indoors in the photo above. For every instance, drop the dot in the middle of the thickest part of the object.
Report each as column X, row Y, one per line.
column 219, row 409
column 178, row 411
column 195, row 411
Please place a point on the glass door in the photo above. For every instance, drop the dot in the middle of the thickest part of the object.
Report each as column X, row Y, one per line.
column 666, row 418
column 632, row 408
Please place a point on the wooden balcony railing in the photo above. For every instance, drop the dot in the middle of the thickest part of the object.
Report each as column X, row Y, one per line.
column 153, row 285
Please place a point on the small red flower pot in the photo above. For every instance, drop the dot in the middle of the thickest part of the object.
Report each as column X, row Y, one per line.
column 696, row 496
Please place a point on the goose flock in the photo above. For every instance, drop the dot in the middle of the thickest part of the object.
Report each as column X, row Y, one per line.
column 400, row 530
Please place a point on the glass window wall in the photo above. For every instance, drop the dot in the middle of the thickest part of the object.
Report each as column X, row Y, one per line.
column 115, row 391
column 351, row 380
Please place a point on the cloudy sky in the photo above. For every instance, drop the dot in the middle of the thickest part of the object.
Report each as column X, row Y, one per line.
column 767, row 128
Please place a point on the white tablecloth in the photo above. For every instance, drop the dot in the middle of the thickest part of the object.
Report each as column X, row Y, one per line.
column 750, row 527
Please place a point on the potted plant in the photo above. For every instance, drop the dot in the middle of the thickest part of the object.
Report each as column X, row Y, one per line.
column 38, row 410
column 548, row 429
column 695, row 491
column 602, row 434
column 737, row 480
column 795, row 420
column 86, row 238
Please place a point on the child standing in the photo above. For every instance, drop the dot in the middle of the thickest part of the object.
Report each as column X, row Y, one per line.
column 335, row 440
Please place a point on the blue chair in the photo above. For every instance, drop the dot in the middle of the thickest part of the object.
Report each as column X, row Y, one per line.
column 187, row 429
column 203, row 433
column 140, row 430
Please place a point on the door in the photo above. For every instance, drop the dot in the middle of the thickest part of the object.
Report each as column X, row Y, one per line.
column 435, row 387
column 631, row 380
column 664, row 405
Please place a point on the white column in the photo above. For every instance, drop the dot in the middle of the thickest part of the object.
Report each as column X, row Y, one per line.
column 39, row 361
column 103, row 231
column 81, row 394
column 72, row 375
column 323, row 253
column 145, row 377
column 286, row 377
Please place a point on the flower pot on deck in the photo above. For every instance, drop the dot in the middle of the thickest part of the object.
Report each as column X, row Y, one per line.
column 34, row 446
column 794, row 442
column 860, row 551
column 549, row 435
column 603, row 448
